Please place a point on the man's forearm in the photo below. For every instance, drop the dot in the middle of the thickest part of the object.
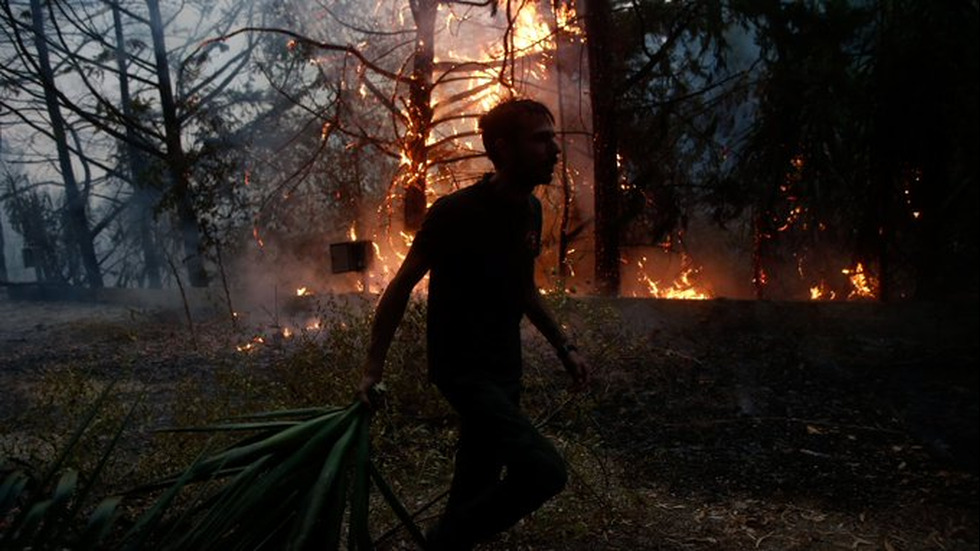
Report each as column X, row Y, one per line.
column 539, row 315
column 387, row 316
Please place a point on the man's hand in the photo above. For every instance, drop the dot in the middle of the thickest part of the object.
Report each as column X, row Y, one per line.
column 370, row 378
column 579, row 369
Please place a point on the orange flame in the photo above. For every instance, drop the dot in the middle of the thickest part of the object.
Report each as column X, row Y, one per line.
column 251, row 345
column 863, row 284
column 683, row 287
column 822, row 291
column 568, row 21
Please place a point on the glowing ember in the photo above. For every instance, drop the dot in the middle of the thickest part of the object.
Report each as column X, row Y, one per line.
column 251, row 345
column 258, row 238
column 302, row 292
column 287, row 332
column 408, row 238
column 352, row 232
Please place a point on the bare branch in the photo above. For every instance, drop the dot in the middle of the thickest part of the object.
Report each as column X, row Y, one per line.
column 311, row 42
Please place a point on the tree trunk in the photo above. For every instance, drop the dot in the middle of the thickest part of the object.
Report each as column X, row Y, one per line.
column 419, row 111
column 75, row 209
column 179, row 169
column 604, row 144
column 145, row 195
column 760, row 237
column 564, row 270
column 3, row 254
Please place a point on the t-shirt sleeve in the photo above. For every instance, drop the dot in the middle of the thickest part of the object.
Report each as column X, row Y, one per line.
column 431, row 237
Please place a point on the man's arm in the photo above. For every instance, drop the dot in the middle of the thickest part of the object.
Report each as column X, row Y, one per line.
column 387, row 316
column 542, row 319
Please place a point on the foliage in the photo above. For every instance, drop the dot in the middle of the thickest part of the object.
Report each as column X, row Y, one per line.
column 43, row 510
column 33, row 214
column 835, row 132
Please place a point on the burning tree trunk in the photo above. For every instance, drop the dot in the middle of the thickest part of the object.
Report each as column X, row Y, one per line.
column 176, row 158
column 419, row 111
column 76, row 201
column 564, row 269
column 604, row 144
column 145, row 197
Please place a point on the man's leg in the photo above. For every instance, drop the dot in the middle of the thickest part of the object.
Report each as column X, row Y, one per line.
column 535, row 470
column 476, row 469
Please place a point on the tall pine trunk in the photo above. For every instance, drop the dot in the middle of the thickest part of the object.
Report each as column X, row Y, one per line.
column 3, row 253
column 178, row 166
column 76, row 216
column 598, row 20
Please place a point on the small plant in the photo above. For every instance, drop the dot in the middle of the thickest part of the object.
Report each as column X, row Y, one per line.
column 37, row 512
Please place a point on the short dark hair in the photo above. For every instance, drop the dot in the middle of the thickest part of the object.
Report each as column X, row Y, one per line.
column 504, row 121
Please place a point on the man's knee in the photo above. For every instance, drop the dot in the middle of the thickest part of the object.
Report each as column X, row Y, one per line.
column 556, row 479
column 546, row 472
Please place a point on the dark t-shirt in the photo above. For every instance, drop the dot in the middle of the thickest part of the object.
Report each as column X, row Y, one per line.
column 481, row 251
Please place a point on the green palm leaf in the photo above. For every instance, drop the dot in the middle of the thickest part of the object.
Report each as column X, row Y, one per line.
column 287, row 487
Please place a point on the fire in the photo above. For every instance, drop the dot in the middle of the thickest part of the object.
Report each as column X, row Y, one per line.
column 822, row 291
column 352, row 232
column 863, row 284
column 258, row 238
column 531, row 32
column 302, row 291
column 251, row 345
column 568, row 21
column 287, row 332
column 683, row 287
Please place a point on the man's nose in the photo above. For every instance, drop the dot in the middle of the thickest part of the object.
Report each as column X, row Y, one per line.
column 555, row 148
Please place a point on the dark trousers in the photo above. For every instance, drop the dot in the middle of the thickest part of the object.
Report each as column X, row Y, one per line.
column 494, row 434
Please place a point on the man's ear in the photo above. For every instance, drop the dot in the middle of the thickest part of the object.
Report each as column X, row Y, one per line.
column 504, row 153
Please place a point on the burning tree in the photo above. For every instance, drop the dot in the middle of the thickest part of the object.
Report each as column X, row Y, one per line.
column 407, row 89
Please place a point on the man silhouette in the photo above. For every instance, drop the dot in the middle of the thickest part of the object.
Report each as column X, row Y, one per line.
column 479, row 245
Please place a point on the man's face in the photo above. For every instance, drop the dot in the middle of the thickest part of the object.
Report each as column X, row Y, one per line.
column 532, row 155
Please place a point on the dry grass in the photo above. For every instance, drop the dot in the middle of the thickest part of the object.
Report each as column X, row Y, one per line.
column 708, row 439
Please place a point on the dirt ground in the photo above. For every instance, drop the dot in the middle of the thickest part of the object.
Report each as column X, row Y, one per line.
column 741, row 425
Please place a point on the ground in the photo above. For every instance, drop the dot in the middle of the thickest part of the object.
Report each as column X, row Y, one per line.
column 715, row 425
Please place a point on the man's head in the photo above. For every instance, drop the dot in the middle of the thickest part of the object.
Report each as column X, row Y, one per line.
column 519, row 138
